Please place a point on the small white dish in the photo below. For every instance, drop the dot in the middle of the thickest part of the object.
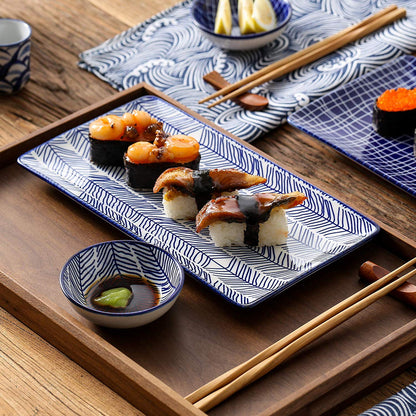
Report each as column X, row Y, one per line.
column 91, row 266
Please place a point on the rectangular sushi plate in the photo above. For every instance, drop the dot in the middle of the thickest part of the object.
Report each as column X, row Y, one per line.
column 321, row 230
column 343, row 120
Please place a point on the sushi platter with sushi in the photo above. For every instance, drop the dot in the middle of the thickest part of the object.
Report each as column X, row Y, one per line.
column 321, row 229
column 343, row 119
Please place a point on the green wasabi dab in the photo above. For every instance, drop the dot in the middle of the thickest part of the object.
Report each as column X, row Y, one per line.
column 118, row 297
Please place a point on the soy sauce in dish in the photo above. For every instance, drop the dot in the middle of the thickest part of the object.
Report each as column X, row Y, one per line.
column 145, row 294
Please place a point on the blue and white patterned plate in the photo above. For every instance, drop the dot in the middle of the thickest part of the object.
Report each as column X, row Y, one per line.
column 321, row 230
column 343, row 119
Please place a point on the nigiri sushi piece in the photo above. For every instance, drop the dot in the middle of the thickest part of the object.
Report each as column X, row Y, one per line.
column 145, row 161
column 111, row 135
column 394, row 112
column 186, row 191
column 252, row 220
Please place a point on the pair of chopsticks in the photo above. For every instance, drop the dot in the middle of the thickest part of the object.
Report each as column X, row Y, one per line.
column 310, row 54
column 217, row 390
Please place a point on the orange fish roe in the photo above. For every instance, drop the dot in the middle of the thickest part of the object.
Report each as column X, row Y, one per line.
column 397, row 100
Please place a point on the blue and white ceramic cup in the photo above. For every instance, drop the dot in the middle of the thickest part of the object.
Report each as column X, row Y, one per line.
column 14, row 55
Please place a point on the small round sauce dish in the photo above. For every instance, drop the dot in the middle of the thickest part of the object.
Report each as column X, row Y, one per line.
column 204, row 13
column 122, row 284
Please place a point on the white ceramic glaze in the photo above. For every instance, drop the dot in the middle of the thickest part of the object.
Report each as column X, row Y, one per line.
column 13, row 31
column 15, row 45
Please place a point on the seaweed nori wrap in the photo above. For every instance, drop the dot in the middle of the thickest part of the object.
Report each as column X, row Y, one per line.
column 111, row 135
column 144, row 175
column 393, row 123
column 401, row 121
column 108, row 152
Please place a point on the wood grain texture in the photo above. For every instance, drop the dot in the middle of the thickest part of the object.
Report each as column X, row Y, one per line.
column 57, row 89
column 53, row 384
column 97, row 356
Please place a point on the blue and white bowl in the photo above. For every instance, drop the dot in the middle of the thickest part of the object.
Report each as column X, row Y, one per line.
column 101, row 261
column 204, row 11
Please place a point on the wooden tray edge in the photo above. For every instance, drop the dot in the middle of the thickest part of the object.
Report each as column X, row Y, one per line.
column 327, row 392
column 123, row 375
column 23, row 309
column 10, row 152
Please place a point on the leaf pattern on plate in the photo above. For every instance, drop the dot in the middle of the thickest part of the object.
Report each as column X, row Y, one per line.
column 320, row 230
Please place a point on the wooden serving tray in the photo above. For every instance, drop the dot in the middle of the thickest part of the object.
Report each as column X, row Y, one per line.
column 155, row 366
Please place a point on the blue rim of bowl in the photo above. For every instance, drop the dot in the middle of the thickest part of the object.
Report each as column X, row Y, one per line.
column 124, row 314
column 7, row 45
column 250, row 35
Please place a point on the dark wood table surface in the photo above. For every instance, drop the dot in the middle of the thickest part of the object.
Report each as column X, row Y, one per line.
column 34, row 376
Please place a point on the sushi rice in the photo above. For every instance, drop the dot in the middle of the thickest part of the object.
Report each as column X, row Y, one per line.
column 271, row 232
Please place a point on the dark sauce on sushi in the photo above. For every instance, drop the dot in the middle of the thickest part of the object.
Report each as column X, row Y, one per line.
column 250, row 207
column 203, row 186
column 145, row 294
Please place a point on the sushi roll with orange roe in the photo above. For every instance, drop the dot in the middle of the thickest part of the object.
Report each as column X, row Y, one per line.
column 145, row 161
column 394, row 112
column 111, row 135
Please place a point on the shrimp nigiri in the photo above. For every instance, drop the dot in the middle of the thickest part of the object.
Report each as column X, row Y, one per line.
column 111, row 135
column 145, row 161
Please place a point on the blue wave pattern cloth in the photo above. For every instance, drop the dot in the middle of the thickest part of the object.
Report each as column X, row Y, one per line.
column 169, row 52
column 401, row 404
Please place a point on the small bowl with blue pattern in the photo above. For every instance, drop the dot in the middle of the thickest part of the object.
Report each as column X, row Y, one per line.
column 204, row 13
column 122, row 284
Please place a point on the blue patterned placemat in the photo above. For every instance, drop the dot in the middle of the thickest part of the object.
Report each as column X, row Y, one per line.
column 401, row 404
column 168, row 52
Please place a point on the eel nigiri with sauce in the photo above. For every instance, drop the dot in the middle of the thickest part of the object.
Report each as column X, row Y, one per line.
column 111, row 135
column 252, row 220
column 186, row 191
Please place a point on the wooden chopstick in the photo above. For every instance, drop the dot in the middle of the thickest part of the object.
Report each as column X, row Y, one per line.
column 310, row 54
column 230, row 382
column 298, row 54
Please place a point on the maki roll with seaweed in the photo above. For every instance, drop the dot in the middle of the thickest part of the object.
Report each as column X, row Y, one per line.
column 252, row 220
column 186, row 191
column 394, row 112
column 145, row 161
column 111, row 135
